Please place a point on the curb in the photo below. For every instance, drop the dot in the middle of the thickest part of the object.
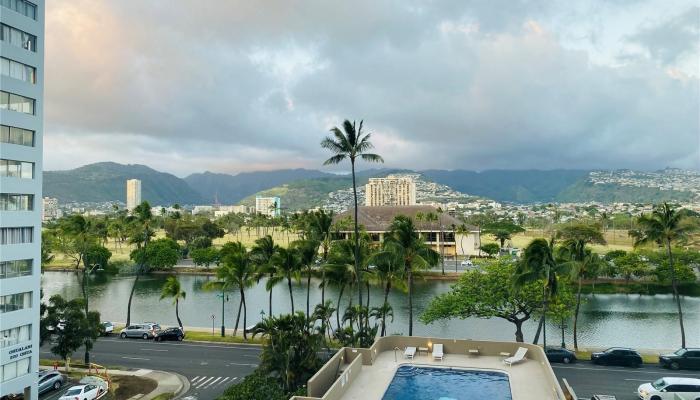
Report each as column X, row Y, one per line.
column 185, row 385
column 222, row 343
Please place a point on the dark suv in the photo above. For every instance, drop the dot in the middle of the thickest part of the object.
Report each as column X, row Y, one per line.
column 617, row 356
column 681, row 359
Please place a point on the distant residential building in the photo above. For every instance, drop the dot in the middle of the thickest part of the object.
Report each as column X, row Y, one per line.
column 202, row 210
column 269, row 206
column 443, row 235
column 133, row 194
column 224, row 210
column 390, row 191
column 49, row 209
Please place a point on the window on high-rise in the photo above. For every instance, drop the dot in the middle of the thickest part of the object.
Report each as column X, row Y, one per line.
column 16, row 202
column 16, row 169
column 15, row 268
column 14, row 135
column 17, row 70
column 11, row 337
column 17, row 103
column 17, row 38
column 15, row 302
column 18, row 235
column 24, row 7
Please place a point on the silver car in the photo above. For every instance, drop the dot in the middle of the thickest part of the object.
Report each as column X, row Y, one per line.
column 144, row 331
column 50, row 380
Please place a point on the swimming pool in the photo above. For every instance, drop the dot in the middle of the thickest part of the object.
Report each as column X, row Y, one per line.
column 427, row 383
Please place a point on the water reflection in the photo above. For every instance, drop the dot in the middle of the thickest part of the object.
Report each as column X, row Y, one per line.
column 606, row 320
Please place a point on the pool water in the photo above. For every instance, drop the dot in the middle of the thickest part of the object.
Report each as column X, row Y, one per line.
column 428, row 383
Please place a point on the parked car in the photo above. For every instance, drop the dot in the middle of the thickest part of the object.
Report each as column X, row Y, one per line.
column 107, row 328
column 50, row 380
column 144, row 330
column 560, row 354
column 617, row 356
column 169, row 334
column 82, row 392
column 667, row 388
column 467, row 263
column 681, row 359
column 603, row 397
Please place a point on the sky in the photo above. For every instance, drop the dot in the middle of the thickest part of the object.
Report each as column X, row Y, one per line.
column 189, row 86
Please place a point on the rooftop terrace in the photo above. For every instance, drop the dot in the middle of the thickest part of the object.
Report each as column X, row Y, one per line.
column 365, row 374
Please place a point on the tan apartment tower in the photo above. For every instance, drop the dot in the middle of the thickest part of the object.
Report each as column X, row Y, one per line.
column 133, row 194
column 390, row 191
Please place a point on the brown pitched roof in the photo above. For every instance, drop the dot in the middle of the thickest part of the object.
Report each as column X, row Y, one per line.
column 378, row 219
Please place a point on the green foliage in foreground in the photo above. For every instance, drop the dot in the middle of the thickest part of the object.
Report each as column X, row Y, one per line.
column 258, row 386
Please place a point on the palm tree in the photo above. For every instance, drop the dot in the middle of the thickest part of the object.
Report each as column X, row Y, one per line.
column 388, row 270
column 582, row 262
column 351, row 144
column 171, row 289
column 320, row 224
column 261, row 254
column 539, row 264
column 142, row 216
column 664, row 226
column 307, row 249
column 288, row 264
column 414, row 252
column 236, row 271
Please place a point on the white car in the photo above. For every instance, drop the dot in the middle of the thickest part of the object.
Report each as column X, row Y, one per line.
column 83, row 392
column 467, row 263
column 668, row 388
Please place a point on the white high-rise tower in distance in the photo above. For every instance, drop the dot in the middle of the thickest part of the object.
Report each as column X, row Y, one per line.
column 133, row 194
column 21, row 133
column 394, row 190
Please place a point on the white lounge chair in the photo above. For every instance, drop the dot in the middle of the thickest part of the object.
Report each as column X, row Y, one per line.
column 437, row 352
column 518, row 357
column 409, row 352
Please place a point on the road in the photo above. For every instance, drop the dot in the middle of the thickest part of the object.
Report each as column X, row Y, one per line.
column 211, row 368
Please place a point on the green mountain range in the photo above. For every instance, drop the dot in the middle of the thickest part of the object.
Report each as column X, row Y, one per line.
column 303, row 188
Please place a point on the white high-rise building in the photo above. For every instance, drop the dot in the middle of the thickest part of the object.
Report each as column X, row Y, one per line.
column 133, row 194
column 49, row 209
column 390, row 191
column 269, row 206
column 21, row 131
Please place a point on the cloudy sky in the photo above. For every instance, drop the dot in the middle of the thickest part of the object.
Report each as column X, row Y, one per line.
column 229, row 86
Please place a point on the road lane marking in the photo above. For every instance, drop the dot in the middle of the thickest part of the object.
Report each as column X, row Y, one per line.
column 631, row 371
column 637, row 380
column 225, row 379
column 243, row 365
column 213, row 382
column 137, row 358
column 153, row 350
column 252, row 347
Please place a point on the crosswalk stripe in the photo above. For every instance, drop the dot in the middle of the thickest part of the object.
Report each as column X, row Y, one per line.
column 212, row 383
column 195, row 379
column 225, row 379
column 202, row 383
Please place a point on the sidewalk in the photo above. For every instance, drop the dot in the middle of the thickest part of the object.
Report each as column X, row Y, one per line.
column 168, row 382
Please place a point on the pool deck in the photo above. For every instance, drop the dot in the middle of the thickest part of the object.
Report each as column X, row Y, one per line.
column 374, row 379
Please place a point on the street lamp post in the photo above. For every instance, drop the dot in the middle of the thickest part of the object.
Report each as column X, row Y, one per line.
column 224, row 299
column 86, row 284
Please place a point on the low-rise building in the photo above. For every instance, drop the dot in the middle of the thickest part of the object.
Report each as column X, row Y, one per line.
column 447, row 235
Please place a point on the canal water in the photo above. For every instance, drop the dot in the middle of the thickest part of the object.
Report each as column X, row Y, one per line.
column 640, row 321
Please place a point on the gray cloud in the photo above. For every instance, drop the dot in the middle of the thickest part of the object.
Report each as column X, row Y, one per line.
column 230, row 86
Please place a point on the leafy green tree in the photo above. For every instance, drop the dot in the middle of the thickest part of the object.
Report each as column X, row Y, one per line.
column 74, row 237
column 259, row 386
column 502, row 230
column 490, row 249
column 200, row 242
column 47, row 247
column 416, row 255
column 291, row 349
column 664, row 227
column 262, row 253
column 351, row 144
column 161, row 254
column 211, row 230
column 488, row 294
column 172, row 290
column 205, row 256
column 72, row 328
column 97, row 255
column 288, row 264
column 632, row 265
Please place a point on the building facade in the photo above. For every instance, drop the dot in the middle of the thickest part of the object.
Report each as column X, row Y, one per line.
column 224, row 210
column 390, row 191
column 21, row 132
column 133, row 194
column 50, row 209
column 269, row 206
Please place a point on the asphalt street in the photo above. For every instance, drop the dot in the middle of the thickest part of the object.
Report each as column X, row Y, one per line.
column 211, row 368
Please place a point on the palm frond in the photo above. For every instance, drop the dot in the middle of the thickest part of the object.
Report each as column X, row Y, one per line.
column 336, row 159
column 372, row 158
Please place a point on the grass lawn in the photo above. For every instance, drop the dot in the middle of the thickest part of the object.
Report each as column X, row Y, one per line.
column 617, row 240
column 646, row 358
column 198, row 336
column 129, row 386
